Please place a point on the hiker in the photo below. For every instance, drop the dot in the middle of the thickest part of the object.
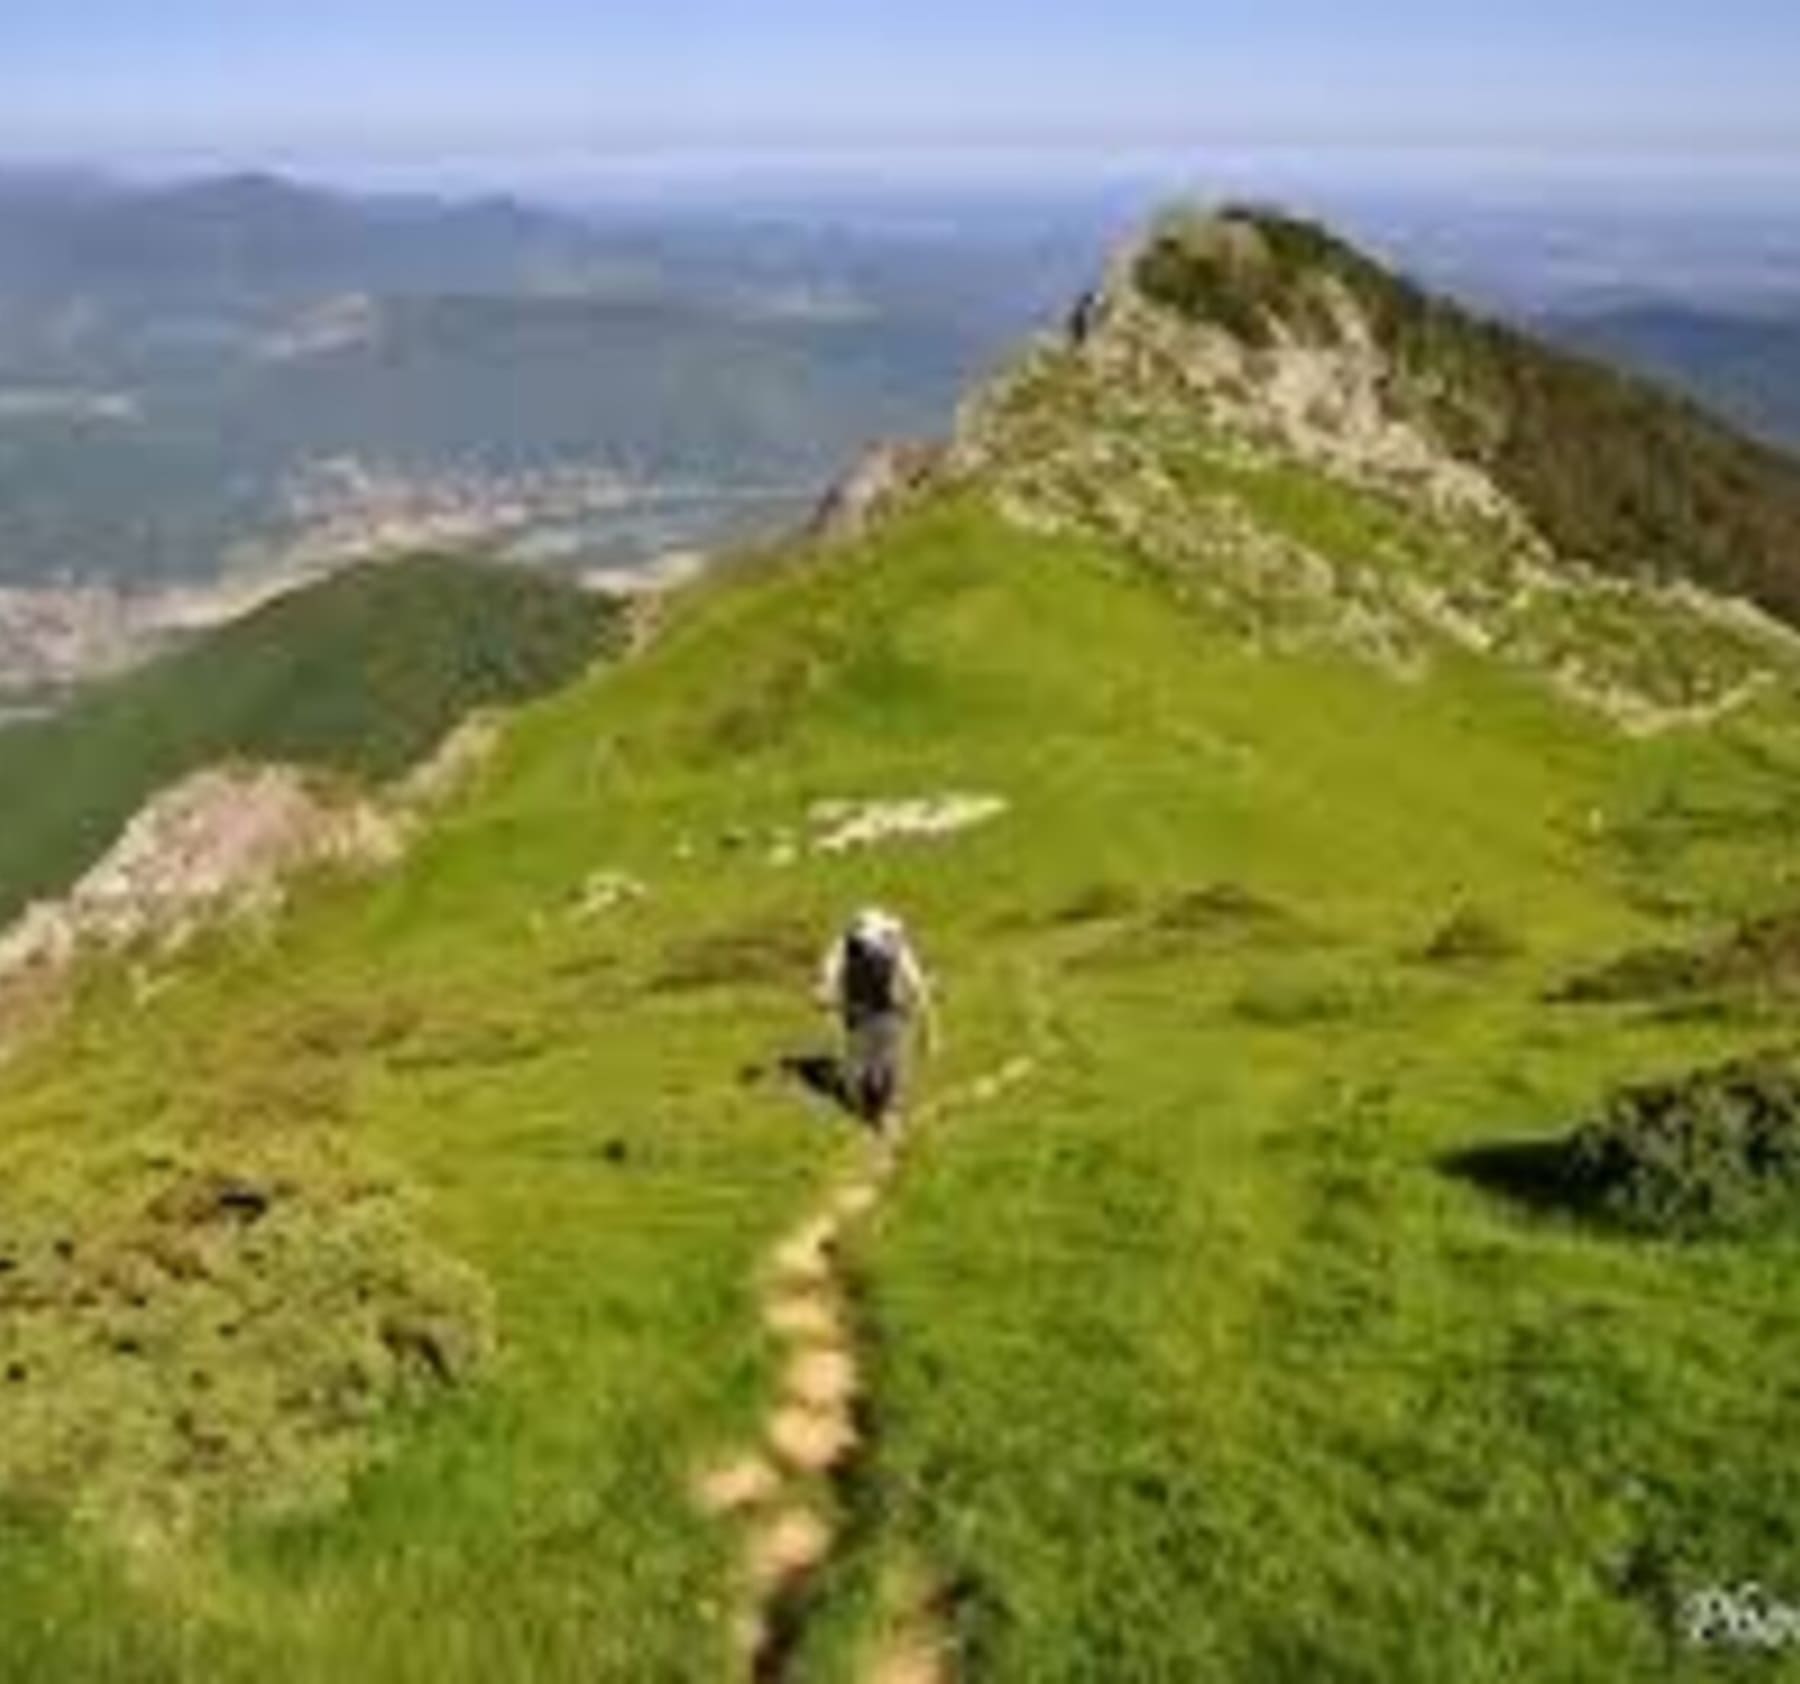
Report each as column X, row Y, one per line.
column 872, row 979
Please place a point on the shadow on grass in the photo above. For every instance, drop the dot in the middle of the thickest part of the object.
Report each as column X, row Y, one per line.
column 822, row 1074
column 1529, row 1173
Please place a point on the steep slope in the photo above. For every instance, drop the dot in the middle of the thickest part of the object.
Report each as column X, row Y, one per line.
column 1188, row 1355
column 1610, row 470
column 1325, row 455
column 360, row 675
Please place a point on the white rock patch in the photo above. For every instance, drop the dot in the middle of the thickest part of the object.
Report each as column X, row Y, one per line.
column 844, row 825
column 458, row 758
column 218, row 843
column 605, row 890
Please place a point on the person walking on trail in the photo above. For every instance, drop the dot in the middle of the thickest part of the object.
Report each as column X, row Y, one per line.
column 874, row 982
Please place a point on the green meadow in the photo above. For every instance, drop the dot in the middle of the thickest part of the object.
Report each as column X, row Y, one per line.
column 1200, row 1354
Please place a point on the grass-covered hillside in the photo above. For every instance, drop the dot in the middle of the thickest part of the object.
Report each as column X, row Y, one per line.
column 1197, row 1354
column 1358, row 1274
column 361, row 674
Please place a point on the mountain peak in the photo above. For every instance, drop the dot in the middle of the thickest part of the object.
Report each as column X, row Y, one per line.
column 1608, row 470
column 1260, row 273
column 1251, row 272
column 1321, row 451
column 1248, row 326
column 246, row 193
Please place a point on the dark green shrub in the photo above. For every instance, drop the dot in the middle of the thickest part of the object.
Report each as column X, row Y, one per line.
column 775, row 952
column 1221, row 909
column 1764, row 953
column 1760, row 957
column 1717, row 1151
column 1204, row 286
column 1225, row 917
column 1294, row 1002
column 1097, row 903
column 1469, row 937
column 1645, row 973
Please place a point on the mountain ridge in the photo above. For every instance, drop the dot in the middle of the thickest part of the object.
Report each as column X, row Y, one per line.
column 1648, row 481
column 1227, row 352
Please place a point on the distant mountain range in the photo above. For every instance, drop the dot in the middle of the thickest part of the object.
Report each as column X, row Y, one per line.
column 252, row 240
column 181, row 368
column 246, row 375
column 1745, row 364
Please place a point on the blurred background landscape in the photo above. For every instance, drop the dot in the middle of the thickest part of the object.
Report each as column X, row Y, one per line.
column 229, row 374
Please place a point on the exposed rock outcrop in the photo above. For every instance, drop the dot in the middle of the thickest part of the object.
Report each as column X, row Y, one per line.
column 843, row 826
column 1232, row 415
column 1311, row 381
column 219, row 844
column 457, row 760
column 886, row 477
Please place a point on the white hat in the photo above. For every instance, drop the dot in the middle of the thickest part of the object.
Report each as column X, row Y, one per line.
column 877, row 928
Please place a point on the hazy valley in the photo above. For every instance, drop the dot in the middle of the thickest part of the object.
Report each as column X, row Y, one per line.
column 227, row 386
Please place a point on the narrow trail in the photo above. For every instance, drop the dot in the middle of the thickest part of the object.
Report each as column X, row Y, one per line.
column 814, row 1436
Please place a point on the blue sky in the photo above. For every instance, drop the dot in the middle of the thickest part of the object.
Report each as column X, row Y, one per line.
column 108, row 78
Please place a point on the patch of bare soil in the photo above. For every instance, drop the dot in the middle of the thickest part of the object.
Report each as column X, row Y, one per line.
column 813, row 1433
column 917, row 1646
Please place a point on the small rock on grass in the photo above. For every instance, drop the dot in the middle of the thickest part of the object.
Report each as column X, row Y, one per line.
column 787, row 1548
column 812, row 1441
column 805, row 1254
column 856, row 1200
column 804, row 1316
column 915, row 1660
column 823, row 1378
column 745, row 1483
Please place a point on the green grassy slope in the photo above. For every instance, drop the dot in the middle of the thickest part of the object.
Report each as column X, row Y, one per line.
column 1191, row 1359
column 361, row 674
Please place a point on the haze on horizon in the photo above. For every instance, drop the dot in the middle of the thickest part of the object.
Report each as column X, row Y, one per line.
column 543, row 86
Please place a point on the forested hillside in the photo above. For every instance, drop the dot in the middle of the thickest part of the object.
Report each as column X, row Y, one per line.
column 362, row 674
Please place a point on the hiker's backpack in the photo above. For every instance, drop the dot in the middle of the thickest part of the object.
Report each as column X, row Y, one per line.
column 871, row 978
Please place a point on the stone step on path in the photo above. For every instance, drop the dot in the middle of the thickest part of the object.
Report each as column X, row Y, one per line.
column 920, row 1650
column 812, row 1433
